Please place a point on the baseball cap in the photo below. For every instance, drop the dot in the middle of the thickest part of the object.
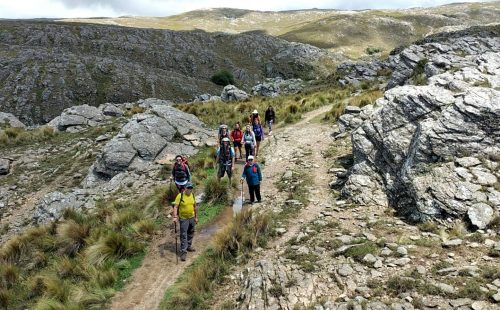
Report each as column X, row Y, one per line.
column 250, row 157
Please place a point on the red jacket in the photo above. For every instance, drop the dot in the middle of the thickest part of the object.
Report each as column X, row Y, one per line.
column 237, row 135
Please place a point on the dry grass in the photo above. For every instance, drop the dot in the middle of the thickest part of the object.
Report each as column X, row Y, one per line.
column 18, row 136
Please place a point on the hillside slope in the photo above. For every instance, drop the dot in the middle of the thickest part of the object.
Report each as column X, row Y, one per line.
column 349, row 32
column 46, row 67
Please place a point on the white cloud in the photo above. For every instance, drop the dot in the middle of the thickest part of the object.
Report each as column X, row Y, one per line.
column 113, row 8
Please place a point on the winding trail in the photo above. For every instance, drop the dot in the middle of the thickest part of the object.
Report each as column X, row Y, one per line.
column 148, row 283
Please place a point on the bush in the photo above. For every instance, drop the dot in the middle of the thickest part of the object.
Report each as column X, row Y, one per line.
column 373, row 50
column 223, row 77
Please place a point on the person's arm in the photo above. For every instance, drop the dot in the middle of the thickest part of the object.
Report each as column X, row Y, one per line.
column 243, row 174
column 254, row 140
column 188, row 173
column 195, row 207
column 175, row 207
column 217, row 155
column 233, row 155
column 260, row 173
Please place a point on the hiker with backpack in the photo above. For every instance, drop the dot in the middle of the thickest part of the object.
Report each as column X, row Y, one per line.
column 223, row 133
column 236, row 137
column 253, row 176
column 253, row 117
column 180, row 173
column 270, row 119
column 259, row 135
column 249, row 141
column 225, row 158
column 186, row 214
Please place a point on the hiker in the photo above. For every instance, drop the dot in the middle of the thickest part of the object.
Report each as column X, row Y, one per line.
column 180, row 173
column 249, row 141
column 185, row 212
column 225, row 158
column 236, row 136
column 259, row 135
column 223, row 133
column 251, row 172
column 270, row 119
column 254, row 116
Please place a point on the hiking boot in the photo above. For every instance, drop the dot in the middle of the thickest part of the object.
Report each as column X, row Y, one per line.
column 191, row 249
column 183, row 257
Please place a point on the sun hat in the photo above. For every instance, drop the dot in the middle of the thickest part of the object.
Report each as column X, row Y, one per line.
column 250, row 157
column 225, row 140
column 255, row 112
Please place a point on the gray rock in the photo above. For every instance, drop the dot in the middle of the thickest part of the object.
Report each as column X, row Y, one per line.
column 369, row 258
column 496, row 297
column 52, row 204
column 468, row 162
column 111, row 110
column 148, row 145
column 452, row 243
column 9, row 120
column 480, row 215
column 456, row 303
column 402, row 251
column 4, row 166
column 273, row 87
column 345, row 270
column 232, row 93
column 402, row 261
column 445, row 287
column 116, row 157
column 352, row 109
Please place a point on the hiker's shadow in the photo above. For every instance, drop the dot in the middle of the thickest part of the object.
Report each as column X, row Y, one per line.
column 167, row 247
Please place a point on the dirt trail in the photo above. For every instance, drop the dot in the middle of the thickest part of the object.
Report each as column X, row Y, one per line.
column 149, row 282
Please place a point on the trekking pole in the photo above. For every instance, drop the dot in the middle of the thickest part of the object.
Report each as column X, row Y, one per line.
column 176, row 249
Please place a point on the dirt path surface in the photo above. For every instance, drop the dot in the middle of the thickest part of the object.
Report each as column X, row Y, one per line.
column 333, row 254
column 148, row 283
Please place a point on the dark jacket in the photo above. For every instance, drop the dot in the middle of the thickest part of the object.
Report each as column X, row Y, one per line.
column 181, row 173
column 270, row 116
column 252, row 174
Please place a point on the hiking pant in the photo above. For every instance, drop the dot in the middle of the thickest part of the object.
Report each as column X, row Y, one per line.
column 248, row 150
column 186, row 229
column 270, row 124
column 225, row 168
column 254, row 190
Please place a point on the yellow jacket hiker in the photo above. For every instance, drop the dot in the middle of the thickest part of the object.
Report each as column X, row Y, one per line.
column 185, row 212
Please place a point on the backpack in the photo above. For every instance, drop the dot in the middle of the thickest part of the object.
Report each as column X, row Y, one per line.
column 257, row 130
column 225, row 156
column 248, row 138
column 180, row 171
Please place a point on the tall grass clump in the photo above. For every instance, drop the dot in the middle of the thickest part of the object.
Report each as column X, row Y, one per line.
column 78, row 260
column 21, row 136
column 218, row 191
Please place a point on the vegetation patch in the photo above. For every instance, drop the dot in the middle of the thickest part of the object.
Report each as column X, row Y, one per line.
column 223, row 78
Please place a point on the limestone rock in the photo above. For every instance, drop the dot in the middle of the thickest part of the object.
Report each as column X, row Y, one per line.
column 480, row 215
column 9, row 120
column 232, row 93
column 4, row 166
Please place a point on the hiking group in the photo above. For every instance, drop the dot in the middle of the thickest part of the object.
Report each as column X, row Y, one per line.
column 185, row 210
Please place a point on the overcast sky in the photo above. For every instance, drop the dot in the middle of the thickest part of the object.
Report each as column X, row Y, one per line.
column 113, row 8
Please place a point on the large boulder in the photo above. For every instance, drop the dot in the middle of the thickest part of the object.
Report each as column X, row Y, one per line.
column 116, row 157
column 273, row 87
column 51, row 206
column 77, row 118
column 9, row 120
column 232, row 93
column 417, row 147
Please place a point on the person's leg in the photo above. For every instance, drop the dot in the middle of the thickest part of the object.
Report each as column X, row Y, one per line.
column 229, row 170
column 257, row 149
column 248, row 151
column 220, row 171
column 257, row 192
column 239, row 148
column 183, row 235
column 251, row 191
column 190, row 234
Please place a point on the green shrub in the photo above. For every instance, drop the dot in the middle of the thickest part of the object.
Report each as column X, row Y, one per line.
column 373, row 50
column 222, row 77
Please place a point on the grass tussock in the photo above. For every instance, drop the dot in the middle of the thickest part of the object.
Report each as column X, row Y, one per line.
column 217, row 192
column 289, row 108
column 76, row 262
column 20, row 136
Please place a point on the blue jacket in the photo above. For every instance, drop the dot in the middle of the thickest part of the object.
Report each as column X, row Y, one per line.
column 252, row 174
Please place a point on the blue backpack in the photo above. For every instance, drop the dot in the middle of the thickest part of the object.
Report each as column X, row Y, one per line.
column 257, row 130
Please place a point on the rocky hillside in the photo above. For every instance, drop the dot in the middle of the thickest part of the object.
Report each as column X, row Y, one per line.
column 352, row 33
column 46, row 67
column 429, row 148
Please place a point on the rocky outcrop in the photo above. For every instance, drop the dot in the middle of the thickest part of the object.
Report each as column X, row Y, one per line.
column 77, row 118
column 9, row 120
column 432, row 151
column 274, row 87
column 423, row 59
column 232, row 93
column 49, row 66
column 129, row 158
